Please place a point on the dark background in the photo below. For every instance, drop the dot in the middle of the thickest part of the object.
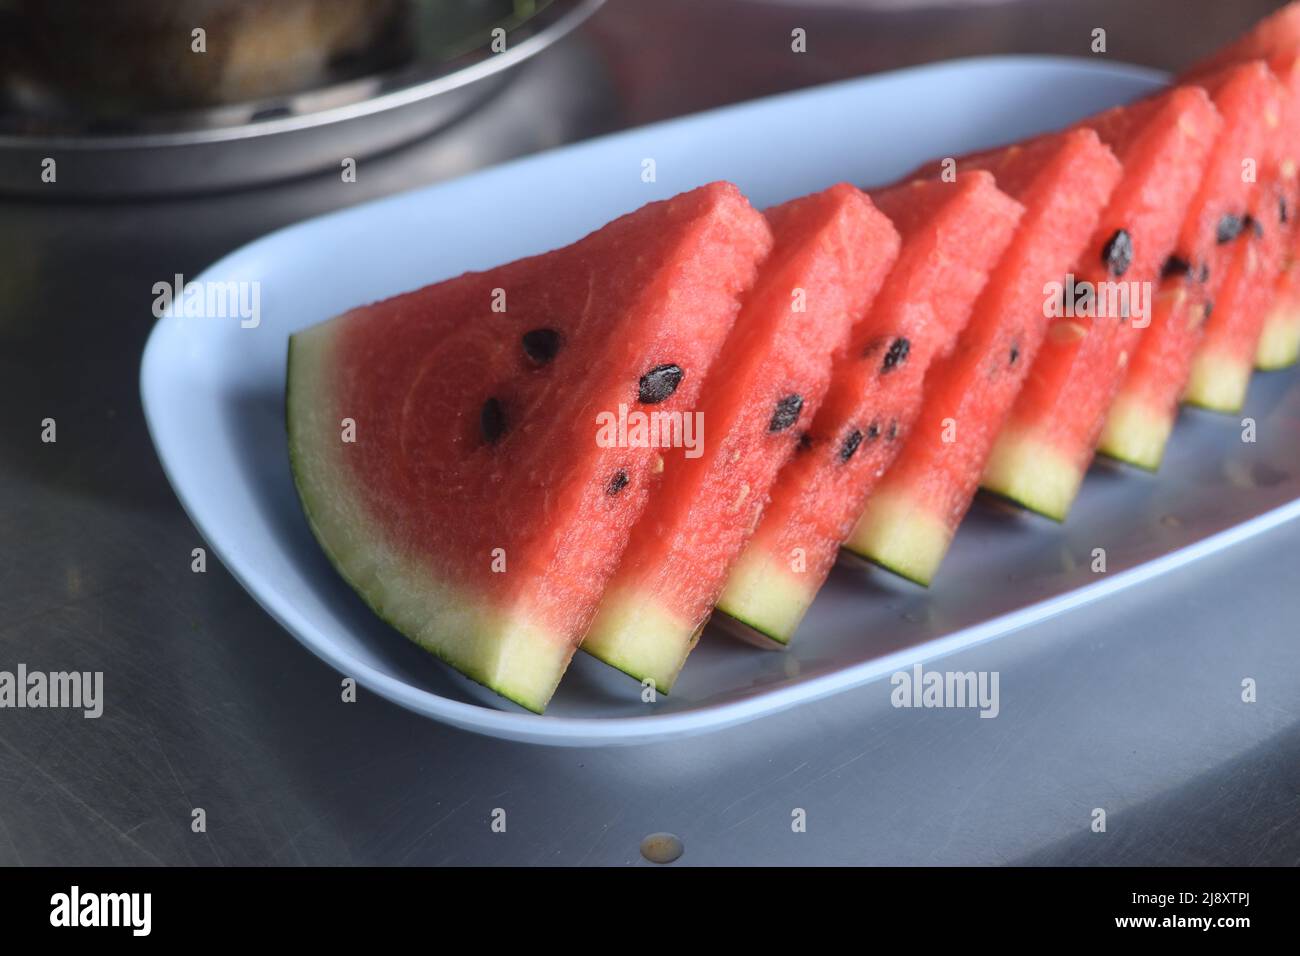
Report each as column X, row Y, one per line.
column 210, row 704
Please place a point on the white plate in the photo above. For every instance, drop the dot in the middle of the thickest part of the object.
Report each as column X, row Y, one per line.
column 214, row 396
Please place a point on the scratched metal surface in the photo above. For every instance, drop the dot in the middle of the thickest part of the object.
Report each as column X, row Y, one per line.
column 1132, row 706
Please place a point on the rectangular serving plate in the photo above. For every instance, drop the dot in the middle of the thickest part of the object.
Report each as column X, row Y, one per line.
column 213, row 395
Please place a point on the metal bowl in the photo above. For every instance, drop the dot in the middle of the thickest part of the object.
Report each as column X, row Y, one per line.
column 237, row 144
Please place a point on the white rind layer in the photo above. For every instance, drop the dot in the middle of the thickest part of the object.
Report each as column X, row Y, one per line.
column 899, row 535
column 641, row 639
column 1218, row 382
column 1279, row 342
column 1136, row 434
column 1032, row 473
column 761, row 594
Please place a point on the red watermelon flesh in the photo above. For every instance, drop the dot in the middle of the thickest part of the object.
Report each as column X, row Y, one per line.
column 1063, row 181
column 476, row 510
column 831, row 253
column 953, row 234
column 1041, row 455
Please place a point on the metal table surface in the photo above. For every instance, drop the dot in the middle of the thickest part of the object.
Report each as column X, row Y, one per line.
column 1133, row 706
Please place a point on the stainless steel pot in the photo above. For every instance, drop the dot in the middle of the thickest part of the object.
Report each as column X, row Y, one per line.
column 124, row 104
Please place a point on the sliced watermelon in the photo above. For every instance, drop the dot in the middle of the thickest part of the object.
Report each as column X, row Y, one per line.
column 1279, row 337
column 1277, row 39
column 953, row 234
column 832, row 251
column 1142, row 416
column 1225, row 356
column 1063, row 181
column 1279, row 340
column 1198, row 277
column 477, row 508
column 1044, row 450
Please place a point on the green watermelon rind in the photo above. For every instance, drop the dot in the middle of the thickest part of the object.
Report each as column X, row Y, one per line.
column 358, row 553
column 749, row 631
column 897, row 569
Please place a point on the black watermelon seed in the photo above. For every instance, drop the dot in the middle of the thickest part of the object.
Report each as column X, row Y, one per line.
column 896, row 355
column 873, row 431
column 1175, row 266
column 1255, row 226
column 786, row 414
column 492, row 420
column 1015, row 353
column 1209, row 310
column 1205, row 273
column 659, row 383
column 1117, row 254
column 805, row 442
column 1281, row 210
column 851, row 442
column 541, row 345
column 893, row 431
column 617, row 483
column 1229, row 228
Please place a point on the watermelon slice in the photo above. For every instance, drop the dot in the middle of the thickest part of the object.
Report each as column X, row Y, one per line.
column 1063, row 181
column 476, row 508
column 1277, row 39
column 1279, row 340
column 1201, row 278
column 1142, row 416
column 953, row 234
column 832, row 251
column 1225, row 358
column 1041, row 455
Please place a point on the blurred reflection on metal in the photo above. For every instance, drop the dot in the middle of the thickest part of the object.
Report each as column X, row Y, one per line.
column 127, row 108
column 671, row 57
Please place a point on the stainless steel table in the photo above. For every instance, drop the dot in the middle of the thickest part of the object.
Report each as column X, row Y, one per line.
column 1133, row 706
